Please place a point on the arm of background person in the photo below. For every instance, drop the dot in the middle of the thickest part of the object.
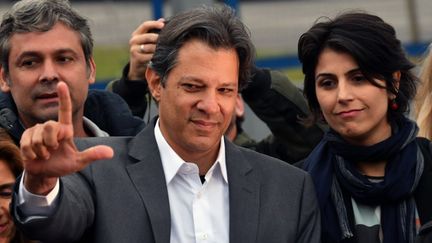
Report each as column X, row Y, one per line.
column 280, row 104
column 134, row 92
column 132, row 86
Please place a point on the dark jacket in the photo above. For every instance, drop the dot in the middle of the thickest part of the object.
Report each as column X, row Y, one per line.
column 422, row 194
column 106, row 109
column 270, row 95
column 125, row 199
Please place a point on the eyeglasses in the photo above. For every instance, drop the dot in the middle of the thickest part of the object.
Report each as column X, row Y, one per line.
column 6, row 190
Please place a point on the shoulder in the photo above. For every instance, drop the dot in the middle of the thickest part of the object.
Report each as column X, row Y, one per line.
column 270, row 167
column 111, row 114
column 115, row 142
column 281, row 185
column 97, row 99
column 425, row 144
column 118, row 144
column 91, row 141
column 422, row 194
column 115, row 165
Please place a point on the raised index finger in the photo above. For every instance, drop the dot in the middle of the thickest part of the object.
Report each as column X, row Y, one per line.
column 65, row 104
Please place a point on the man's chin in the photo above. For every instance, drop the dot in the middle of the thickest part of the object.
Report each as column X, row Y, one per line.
column 47, row 116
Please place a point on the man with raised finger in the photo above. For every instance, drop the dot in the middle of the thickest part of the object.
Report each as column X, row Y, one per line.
column 43, row 42
column 180, row 179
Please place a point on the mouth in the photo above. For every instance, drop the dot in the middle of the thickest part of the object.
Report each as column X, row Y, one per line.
column 4, row 227
column 48, row 97
column 204, row 125
column 349, row 113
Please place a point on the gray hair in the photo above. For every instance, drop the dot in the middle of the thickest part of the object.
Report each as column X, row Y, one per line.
column 218, row 27
column 40, row 16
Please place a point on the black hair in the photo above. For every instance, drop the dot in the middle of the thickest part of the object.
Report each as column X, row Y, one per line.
column 371, row 42
column 218, row 27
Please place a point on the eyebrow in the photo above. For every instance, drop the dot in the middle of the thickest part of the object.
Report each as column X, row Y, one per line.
column 355, row 70
column 350, row 72
column 191, row 78
column 38, row 53
column 6, row 186
column 199, row 80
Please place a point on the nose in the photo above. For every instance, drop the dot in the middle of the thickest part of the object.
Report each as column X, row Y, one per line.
column 49, row 72
column 344, row 91
column 208, row 103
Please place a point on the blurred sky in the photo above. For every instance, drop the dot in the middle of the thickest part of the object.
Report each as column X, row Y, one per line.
column 275, row 26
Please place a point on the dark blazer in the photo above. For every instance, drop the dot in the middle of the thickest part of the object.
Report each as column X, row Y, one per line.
column 126, row 200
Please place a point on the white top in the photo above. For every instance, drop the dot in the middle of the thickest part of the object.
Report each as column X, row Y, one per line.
column 199, row 212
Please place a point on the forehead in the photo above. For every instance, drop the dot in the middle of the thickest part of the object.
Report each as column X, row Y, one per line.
column 330, row 60
column 58, row 37
column 196, row 57
column 6, row 175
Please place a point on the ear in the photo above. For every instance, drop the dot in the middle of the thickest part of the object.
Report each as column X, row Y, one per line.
column 92, row 71
column 396, row 78
column 154, row 83
column 239, row 108
column 4, row 84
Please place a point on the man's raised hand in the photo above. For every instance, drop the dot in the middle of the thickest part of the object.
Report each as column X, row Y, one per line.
column 142, row 47
column 49, row 151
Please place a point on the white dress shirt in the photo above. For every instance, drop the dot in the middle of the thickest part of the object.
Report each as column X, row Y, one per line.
column 199, row 211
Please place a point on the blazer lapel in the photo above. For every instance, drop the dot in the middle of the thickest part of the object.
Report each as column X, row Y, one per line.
column 244, row 194
column 149, row 179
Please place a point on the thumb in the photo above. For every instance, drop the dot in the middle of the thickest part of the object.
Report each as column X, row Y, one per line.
column 95, row 153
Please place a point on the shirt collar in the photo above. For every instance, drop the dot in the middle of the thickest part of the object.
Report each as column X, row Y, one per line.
column 171, row 161
column 93, row 128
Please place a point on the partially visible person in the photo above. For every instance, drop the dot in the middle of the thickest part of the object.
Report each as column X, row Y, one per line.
column 373, row 176
column 269, row 93
column 423, row 99
column 10, row 169
column 60, row 50
column 180, row 179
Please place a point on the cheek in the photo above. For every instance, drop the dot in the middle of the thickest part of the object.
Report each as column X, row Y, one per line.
column 382, row 107
column 173, row 106
column 4, row 204
column 325, row 102
column 21, row 89
column 228, row 109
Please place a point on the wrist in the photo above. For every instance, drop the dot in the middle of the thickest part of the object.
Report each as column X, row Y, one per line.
column 39, row 185
column 135, row 73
